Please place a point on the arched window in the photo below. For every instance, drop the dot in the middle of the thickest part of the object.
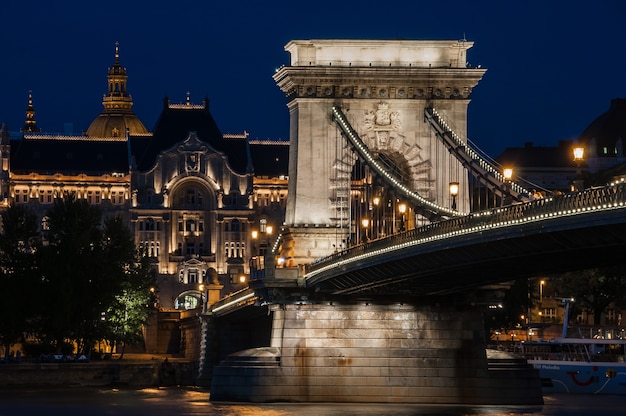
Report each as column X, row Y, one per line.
column 188, row 300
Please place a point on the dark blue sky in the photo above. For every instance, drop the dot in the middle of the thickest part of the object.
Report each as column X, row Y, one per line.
column 553, row 65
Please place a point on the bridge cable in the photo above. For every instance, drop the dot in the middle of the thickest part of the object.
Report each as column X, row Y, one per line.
column 427, row 208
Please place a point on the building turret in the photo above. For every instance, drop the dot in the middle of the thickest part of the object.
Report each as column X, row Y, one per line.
column 30, row 125
column 117, row 115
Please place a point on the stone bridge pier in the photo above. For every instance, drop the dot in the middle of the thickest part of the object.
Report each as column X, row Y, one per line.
column 368, row 352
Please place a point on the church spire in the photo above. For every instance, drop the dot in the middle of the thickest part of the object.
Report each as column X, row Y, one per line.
column 30, row 125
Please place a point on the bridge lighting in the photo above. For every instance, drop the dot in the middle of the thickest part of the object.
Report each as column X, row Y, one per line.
column 402, row 211
column 579, row 154
column 204, row 296
column 365, row 223
column 454, row 192
column 507, row 173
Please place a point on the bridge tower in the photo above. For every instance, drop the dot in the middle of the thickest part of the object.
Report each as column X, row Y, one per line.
column 383, row 88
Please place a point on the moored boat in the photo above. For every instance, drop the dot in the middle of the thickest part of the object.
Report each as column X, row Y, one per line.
column 579, row 365
column 593, row 365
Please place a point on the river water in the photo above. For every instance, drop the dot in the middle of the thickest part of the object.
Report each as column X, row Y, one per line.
column 190, row 401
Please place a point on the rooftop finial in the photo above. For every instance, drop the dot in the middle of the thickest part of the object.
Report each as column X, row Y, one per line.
column 117, row 51
column 188, row 98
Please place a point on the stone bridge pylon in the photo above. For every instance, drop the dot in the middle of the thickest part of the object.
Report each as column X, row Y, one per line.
column 383, row 88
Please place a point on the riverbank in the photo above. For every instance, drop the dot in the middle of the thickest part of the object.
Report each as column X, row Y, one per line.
column 134, row 371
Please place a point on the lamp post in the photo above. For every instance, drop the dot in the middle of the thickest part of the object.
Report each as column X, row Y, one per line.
column 376, row 202
column 365, row 222
column 541, row 283
column 579, row 154
column 402, row 211
column 454, row 192
column 507, row 173
column 203, row 296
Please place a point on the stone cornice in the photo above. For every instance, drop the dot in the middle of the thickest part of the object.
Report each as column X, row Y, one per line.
column 384, row 83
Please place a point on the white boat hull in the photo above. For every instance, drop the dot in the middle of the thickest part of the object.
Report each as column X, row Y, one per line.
column 581, row 377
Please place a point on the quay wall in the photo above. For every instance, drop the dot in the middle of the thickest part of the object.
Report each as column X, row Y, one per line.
column 97, row 374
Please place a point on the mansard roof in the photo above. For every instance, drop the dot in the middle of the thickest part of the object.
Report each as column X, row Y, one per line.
column 270, row 158
column 531, row 156
column 174, row 125
column 607, row 129
column 70, row 155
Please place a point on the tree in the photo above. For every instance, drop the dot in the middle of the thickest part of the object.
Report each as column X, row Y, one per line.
column 73, row 275
column 133, row 303
column 19, row 248
column 594, row 289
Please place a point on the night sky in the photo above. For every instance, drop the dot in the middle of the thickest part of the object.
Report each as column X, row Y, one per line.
column 553, row 65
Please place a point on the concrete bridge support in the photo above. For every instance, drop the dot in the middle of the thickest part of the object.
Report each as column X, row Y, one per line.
column 365, row 352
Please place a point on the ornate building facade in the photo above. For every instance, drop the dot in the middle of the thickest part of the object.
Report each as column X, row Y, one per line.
column 201, row 205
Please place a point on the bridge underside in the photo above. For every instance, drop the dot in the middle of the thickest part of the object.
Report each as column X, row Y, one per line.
column 486, row 257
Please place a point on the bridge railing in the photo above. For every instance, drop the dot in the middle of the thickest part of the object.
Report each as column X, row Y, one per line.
column 601, row 198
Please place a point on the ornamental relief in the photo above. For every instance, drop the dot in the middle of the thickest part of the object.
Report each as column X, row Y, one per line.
column 382, row 132
column 382, row 127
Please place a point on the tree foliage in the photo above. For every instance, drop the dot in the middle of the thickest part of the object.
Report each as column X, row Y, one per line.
column 594, row 289
column 19, row 272
column 85, row 282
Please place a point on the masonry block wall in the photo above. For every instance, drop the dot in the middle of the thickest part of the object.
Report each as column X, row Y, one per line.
column 374, row 353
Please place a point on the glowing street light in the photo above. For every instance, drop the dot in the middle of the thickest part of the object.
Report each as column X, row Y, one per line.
column 507, row 173
column 365, row 223
column 376, row 201
column 454, row 192
column 541, row 283
column 579, row 154
column 204, row 296
column 402, row 211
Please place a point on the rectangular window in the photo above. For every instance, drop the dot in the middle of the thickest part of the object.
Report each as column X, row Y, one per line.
column 234, row 273
column 21, row 196
column 117, row 197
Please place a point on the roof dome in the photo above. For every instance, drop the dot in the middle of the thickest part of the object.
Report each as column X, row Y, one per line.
column 114, row 125
column 604, row 136
column 117, row 115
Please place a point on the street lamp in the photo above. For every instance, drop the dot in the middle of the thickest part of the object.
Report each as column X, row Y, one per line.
column 376, row 202
column 203, row 296
column 579, row 154
column 454, row 192
column 508, row 175
column 402, row 211
column 365, row 222
column 543, row 282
